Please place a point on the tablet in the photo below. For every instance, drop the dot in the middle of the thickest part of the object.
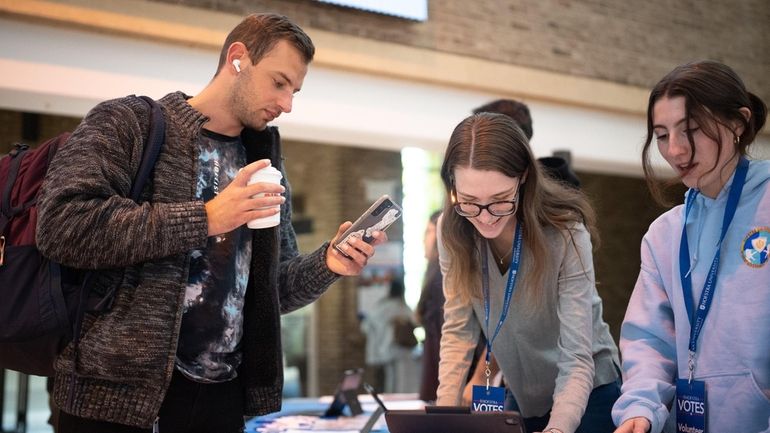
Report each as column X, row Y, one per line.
column 347, row 394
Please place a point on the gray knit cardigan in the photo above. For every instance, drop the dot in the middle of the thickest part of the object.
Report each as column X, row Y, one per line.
column 126, row 355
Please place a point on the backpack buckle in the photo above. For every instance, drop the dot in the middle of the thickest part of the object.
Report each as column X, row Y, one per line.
column 18, row 148
column 2, row 250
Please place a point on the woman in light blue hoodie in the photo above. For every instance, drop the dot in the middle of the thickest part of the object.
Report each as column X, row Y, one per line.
column 705, row 263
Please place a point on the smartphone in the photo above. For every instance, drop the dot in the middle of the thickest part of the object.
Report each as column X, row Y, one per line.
column 380, row 215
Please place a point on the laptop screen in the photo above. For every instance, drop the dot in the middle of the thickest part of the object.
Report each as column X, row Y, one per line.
column 418, row 421
column 448, row 419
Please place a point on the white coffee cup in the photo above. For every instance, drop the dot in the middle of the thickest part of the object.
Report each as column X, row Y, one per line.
column 268, row 175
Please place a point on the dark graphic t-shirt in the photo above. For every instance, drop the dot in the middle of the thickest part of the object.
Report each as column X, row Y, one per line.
column 212, row 324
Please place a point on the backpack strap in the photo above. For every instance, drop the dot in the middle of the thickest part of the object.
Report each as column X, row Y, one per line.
column 153, row 143
column 152, row 146
column 16, row 155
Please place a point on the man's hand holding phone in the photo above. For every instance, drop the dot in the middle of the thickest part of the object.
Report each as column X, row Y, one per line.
column 358, row 252
column 354, row 244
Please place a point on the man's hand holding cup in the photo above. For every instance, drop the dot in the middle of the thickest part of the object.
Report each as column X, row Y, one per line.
column 254, row 197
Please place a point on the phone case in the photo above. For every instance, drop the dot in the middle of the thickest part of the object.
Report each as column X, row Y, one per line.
column 380, row 215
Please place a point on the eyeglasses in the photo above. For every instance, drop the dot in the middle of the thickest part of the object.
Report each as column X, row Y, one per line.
column 499, row 208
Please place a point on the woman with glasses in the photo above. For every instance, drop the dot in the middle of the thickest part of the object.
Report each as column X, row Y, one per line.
column 515, row 250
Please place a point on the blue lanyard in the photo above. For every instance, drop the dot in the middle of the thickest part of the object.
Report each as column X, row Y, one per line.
column 696, row 322
column 512, row 271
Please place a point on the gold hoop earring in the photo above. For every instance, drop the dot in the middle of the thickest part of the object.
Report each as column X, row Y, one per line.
column 736, row 140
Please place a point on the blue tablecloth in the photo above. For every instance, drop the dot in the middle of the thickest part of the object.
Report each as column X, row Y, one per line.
column 302, row 406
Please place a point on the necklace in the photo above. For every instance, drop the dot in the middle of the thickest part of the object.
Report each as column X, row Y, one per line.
column 501, row 259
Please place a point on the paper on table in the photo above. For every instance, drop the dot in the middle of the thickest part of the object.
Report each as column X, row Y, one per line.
column 303, row 424
column 327, row 431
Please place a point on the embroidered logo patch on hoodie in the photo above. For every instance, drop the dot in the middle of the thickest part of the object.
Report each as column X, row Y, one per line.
column 756, row 246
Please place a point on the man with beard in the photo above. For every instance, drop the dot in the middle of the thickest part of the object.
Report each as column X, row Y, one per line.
column 192, row 340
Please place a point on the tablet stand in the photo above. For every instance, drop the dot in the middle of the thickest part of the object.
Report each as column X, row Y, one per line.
column 341, row 399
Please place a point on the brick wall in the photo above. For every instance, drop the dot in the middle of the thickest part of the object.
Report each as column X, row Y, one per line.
column 49, row 126
column 10, row 130
column 624, row 211
column 617, row 40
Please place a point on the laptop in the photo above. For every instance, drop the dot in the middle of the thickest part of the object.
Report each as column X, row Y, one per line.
column 448, row 419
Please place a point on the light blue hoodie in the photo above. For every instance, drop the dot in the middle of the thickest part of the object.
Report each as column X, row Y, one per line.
column 733, row 355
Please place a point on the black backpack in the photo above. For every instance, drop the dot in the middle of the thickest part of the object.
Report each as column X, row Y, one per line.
column 42, row 303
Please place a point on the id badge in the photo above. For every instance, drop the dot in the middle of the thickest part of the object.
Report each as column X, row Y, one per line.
column 690, row 406
column 490, row 399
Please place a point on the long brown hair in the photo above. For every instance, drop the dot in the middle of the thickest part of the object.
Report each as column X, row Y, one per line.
column 489, row 141
column 713, row 95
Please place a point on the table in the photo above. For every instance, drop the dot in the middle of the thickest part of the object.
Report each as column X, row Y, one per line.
column 299, row 415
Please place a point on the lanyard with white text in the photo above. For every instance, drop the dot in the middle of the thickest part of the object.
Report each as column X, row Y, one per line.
column 696, row 322
column 512, row 271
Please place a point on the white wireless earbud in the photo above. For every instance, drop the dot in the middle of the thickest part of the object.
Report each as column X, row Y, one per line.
column 237, row 65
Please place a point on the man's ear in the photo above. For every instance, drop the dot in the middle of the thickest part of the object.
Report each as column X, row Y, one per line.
column 237, row 51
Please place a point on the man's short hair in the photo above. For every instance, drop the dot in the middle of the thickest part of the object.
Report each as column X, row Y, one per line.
column 518, row 111
column 260, row 33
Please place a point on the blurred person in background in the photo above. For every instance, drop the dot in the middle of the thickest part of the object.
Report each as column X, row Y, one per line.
column 386, row 325
column 430, row 313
